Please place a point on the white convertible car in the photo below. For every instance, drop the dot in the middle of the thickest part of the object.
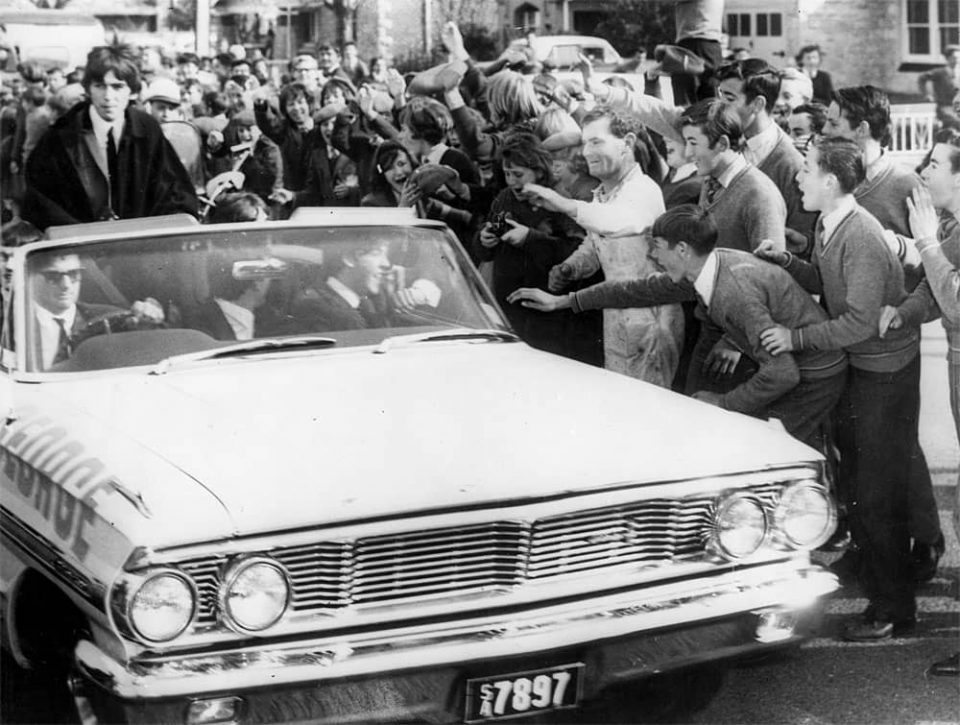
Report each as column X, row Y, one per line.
column 303, row 471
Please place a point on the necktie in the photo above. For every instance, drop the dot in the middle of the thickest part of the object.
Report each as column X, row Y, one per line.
column 64, row 345
column 818, row 234
column 113, row 169
column 714, row 187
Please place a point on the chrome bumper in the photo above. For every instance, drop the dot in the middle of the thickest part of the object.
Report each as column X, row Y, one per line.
column 787, row 586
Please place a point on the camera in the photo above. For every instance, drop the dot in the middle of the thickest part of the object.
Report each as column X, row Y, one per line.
column 498, row 224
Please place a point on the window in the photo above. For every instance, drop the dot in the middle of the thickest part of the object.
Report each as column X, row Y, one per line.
column 738, row 24
column 769, row 25
column 929, row 27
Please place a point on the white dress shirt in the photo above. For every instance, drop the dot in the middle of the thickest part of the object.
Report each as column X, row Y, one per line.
column 100, row 130
column 832, row 220
column 705, row 281
column 239, row 318
column 50, row 332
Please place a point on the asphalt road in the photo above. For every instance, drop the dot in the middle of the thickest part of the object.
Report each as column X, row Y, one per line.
column 825, row 681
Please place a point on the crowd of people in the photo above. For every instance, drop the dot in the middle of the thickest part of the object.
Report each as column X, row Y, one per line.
column 755, row 246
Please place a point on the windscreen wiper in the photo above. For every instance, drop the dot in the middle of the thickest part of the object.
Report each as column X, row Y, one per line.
column 457, row 333
column 247, row 347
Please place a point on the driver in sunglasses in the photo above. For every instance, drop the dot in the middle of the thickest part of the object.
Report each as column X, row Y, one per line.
column 62, row 321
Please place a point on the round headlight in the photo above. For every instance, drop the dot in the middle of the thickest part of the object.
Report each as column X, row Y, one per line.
column 805, row 515
column 255, row 594
column 163, row 606
column 739, row 525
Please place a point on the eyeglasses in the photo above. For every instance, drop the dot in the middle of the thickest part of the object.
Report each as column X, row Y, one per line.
column 52, row 276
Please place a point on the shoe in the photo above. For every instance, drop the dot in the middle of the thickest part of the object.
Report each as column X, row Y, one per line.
column 847, row 567
column 926, row 558
column 877, row 629
column 949, row 667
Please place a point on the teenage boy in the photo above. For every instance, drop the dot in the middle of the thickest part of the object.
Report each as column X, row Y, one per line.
column 862, row 114
column 103, row 159
column 746, row 296
column 856, row 274
column 938, row 242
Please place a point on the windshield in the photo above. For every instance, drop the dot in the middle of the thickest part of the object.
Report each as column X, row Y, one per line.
column 137, row 302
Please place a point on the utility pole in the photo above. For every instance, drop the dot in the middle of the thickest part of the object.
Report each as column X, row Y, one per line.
column 202, row 27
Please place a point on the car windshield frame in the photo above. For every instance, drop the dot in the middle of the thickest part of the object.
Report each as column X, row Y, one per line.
column 436, row 240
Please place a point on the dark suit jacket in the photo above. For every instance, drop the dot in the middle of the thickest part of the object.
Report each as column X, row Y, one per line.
column 209, row 318
column 66, row 184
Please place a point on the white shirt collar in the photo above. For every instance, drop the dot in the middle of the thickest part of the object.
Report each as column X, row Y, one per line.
column 351, row 297
column 50, row 331
column 737, row 165
column 436, row 153
column 761, row 145
column 100, row 128
column 833, row 219
column 879, row 165
column 239, row 318
column 707, row 278
column 684, row 172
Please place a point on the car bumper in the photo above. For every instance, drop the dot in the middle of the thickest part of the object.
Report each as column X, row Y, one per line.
column 417, row 671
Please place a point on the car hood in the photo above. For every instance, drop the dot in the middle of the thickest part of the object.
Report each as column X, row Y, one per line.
column 287, row 441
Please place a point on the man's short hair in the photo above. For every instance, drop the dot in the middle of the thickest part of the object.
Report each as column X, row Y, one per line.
column 427, row 119
column 294, row 92
column 950, row 137
column 621, row 122
column 326, row 46
column 817, row 113
column 241, row 206
column 715, row 120
column 795, row 74
column 185, row 58
column 842, row 158
column 121, row 59
column 687, row 223
column 759, row 79
column 866, row 103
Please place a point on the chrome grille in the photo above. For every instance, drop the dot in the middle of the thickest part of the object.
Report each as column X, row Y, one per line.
column 421, row 565
column 648, row 532
column 424, row 564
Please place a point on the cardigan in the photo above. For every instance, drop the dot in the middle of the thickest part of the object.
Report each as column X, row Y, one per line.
column 857, row 275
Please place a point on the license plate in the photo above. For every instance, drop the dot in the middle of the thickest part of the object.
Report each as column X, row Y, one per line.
column 523, row 693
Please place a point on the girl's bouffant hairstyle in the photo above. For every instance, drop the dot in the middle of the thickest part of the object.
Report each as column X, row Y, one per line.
column 522, row 148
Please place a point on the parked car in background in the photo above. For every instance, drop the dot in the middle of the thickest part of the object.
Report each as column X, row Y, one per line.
column 55, row 38
column 303, row 471
column 562, row 54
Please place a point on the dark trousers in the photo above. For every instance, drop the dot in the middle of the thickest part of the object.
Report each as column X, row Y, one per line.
column 688, row 89
column 924, row 516
column 876, row 435
column 805, row 409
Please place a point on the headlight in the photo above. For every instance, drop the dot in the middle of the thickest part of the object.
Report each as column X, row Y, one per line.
column 163, row 606
column 255, row 594
column 805, row 515
column 739, row 526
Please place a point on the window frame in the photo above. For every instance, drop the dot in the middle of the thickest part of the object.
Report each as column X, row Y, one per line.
column 935, row 26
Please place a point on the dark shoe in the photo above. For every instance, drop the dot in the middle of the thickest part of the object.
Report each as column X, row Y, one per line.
column 847, row 567
column 926, row 558
column 877, row 629
column 949, row 667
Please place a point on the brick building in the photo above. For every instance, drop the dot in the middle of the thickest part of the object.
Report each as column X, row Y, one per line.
column 886, row 43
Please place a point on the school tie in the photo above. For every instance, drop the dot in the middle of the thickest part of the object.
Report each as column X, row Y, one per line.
column 818, row 234
column 64, row 345
column 113, row 169
column 714, row 187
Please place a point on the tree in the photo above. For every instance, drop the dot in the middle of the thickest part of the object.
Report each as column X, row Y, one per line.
column 632, row 25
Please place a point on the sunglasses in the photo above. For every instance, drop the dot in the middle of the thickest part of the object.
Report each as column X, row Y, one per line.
column 54, row 277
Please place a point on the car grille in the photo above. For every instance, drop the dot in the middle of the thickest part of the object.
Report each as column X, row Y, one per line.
column 422, row 565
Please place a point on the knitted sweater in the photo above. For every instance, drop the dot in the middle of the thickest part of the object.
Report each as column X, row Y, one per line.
column 856, row 274
column 747, row 211
column 750, row 296
column 939, row 291
column 885, row 194
column 782, row 165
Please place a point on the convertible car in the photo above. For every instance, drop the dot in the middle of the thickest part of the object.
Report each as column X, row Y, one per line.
column 303, row 471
